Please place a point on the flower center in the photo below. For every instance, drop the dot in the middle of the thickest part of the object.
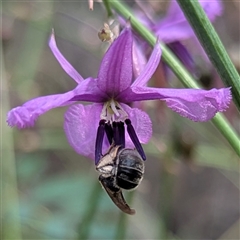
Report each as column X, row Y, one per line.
column 111, row 123
column 112, row 111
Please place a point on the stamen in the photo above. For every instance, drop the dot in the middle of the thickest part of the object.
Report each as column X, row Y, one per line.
column 134, row 138
column 121, row 111
column 99, row 141
column 104, row 112
column 109, row 132
column 114, row 109
column 122, row 134
column 116, row 134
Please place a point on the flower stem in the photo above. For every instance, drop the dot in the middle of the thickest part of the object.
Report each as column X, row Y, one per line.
column 212, row 45
column 122, row 222
column 180, row 71
column 11, row 227
column 121, row 226
column 108, row 8
column 94, row 198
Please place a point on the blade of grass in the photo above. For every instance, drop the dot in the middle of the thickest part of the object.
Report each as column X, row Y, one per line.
column 32, row 46
column 11, row 227
column 122, row 222
column 94, row 199
column 212, row 45
column 180, row 71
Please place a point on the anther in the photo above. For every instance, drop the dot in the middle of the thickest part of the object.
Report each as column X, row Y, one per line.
column 122, row 134
column 109, row 132
column 99, row 141
column 119, row 133
column 116, row 134
column 134, row 138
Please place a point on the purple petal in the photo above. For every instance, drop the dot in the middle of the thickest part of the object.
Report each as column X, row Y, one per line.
column 88, row 91
column 139, row 59
column 81, row 123
column 182, row 53
column 26, row 115
column 175, row 27
column 212, row 8
column 141, row 124
column 195, row 104
column 150, row 68
column 115, row 74
column 67, row 67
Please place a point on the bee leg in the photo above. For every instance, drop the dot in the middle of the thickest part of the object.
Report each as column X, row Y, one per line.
column 115, row 193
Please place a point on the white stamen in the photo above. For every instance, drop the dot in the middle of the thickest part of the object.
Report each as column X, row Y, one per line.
column 113, row 111
column 123, row 114
column 104, row 112
column 113, row 106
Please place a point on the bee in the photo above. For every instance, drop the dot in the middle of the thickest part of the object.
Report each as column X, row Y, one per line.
column 120, row 168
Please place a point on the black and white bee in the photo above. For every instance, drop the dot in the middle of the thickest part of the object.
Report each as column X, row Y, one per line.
column 119, row 168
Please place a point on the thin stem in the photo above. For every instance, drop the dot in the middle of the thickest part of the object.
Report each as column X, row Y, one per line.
column 212, row 45
column 11, row 227
column 221, row 123
column 85, row 225
column 121, row 226
column 108, row 8
column 122, row 222
column 180, row 71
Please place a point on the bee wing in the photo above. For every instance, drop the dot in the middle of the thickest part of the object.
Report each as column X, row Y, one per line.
column 116, row 195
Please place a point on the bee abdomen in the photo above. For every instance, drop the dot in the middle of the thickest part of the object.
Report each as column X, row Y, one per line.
column 128, row 178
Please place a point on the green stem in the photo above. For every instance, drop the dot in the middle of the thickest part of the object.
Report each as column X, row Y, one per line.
column 226, row 129
column 122, row 222
column 11, row 227
column 121, row 227
column 180, row 71
column 108, row 8
column 212, row 45
column 85, row 225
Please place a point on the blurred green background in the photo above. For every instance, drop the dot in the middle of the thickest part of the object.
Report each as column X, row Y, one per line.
column 191, row 185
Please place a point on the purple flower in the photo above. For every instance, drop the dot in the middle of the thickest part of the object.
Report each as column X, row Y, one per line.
column 110, row 94
column 175, row 27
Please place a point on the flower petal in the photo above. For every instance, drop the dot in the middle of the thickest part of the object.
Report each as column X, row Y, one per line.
column 150, row 67
column 115, row 73
column 26, row 115
column 141, row 124
column 175, row 27
column 81, row 123
column 67, row 67
column 212, row 8
column 182, row 53
column 195, row 104
column 139, row 59
column 88, row 91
